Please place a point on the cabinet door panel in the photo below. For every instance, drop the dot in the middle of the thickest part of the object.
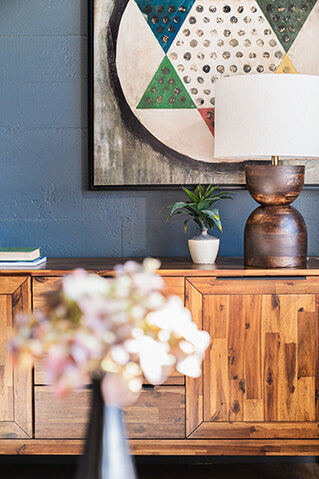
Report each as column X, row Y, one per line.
column 261, row 370
column 15, row 382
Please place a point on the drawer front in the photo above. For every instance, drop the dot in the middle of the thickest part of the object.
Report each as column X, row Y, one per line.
column 175, row 378
column 41, row 285
column 159, row 413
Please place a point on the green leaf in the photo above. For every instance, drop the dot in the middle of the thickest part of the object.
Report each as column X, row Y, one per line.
column 191, row 195
column 199, row 191
column 192, row 208
column 177, row 206
column 218, row 197
column 209, row 190
column 204, row 204
column 214, row 214
column 186, row 224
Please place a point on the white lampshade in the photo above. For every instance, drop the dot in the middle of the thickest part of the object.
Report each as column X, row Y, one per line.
column 263, row 115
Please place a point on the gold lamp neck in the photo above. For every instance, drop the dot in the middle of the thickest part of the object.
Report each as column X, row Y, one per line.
column 275, row 160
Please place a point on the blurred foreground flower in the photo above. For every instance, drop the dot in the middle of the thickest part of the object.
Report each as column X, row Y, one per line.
column 116, row 329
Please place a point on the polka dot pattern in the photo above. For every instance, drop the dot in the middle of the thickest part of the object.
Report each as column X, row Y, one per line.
column 221, row 39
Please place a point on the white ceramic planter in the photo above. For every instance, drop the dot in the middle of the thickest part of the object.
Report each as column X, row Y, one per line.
column 203, row 248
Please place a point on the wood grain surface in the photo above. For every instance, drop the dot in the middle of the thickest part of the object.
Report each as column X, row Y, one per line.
column 158, row 413
column 260, row 371
column 224, row 266
column 15, row 381
column 258, row 394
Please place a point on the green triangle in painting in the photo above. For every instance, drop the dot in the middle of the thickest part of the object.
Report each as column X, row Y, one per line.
column 166, row 90
column 286, row 17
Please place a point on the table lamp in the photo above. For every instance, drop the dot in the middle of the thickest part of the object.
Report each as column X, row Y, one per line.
column 270, row 116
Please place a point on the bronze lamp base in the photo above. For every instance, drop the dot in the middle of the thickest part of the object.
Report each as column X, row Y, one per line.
column 275, row 233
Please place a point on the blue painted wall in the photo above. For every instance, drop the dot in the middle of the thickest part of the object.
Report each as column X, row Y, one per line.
column 44, row 198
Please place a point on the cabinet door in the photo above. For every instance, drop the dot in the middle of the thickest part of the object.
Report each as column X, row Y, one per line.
column 15, row 382
column 260, row 374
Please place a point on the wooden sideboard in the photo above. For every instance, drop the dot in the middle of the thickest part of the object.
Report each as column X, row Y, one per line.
column 258, row 394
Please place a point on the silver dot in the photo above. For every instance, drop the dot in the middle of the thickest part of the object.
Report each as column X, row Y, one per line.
column 179, row 43
column 220, row 43
column 227, row 33
column 206, row 43
column 212, row 101
column 260, row 68
column 241, row 33
column 260, row 42
column 266, row 55
column 247, row 43
column 206, row 91
column 252, row 55
column 272, row 67
column 199, row 33
column 213, row 32
column 194, row 68
column 180, row 68
column 199, row 101
column 226, row 55
column 233, row 68
column 254, row 31
column 187, row 79
column 247, row 19
column 173, row 56
column 186, row 32
column 260, row 19
column 200, row 79
column 201, row 56
column 212, row 9
column 253, row 9
column 194, row 91
column 278, row 54
column 220, row 68
column 213, row 55
column 272, row 43
column 233, row 42
column 193, row 43
column 219, row 20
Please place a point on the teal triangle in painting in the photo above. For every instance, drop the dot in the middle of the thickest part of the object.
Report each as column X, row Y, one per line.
column 166, row 90
column 165, row 18
column 286, row 17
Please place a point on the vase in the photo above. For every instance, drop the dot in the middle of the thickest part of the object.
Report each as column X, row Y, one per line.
column 203, row 248
column 106, row 453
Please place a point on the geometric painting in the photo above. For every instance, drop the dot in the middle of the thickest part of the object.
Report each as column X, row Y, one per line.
column 156, row 64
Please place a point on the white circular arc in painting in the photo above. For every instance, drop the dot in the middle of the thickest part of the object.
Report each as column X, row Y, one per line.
column 170, row 53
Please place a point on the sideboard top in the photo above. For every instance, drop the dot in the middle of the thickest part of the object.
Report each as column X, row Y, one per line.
column 170, row 267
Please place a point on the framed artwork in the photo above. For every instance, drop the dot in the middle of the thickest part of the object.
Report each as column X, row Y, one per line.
column 154, row 65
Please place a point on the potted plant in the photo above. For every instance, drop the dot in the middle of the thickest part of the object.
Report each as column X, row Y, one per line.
column 203, row 247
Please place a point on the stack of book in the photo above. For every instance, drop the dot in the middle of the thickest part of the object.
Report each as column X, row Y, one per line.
column 21, row 257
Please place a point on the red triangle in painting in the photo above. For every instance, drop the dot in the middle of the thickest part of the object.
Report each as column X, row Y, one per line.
column 208, row 115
